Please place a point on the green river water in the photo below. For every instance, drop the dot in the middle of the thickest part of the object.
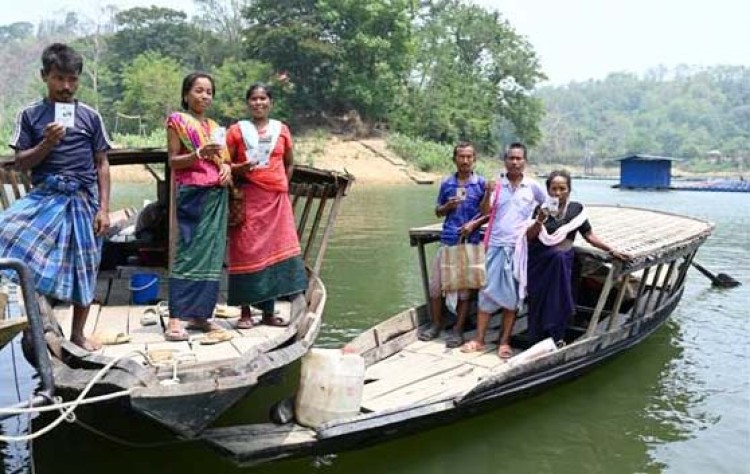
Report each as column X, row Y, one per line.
column 679, row 402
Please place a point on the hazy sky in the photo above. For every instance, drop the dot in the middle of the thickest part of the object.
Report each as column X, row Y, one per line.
column 576, row 39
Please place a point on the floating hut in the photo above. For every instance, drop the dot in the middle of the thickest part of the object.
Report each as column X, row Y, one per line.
column 645, row 172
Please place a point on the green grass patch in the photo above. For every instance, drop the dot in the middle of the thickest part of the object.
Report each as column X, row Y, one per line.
column 434, row 157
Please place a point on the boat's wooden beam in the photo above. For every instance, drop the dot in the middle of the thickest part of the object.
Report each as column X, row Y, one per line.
column 615, row 314
column 425, row 277
column 652, row 289
column 328, row 231
column 635, row 313
column 666, row 287
column 602, row 301
column 316, row 223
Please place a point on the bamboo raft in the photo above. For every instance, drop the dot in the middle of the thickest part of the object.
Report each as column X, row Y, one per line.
column 184, row 385
column 410, row 385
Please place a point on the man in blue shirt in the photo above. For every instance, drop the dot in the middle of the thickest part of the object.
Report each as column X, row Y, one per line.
column 458, row 201
column 56, row 228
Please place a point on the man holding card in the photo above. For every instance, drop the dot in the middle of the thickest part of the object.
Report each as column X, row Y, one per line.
column 56, row 229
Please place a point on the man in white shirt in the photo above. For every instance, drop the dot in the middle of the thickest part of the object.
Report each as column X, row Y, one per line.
column 509, row 202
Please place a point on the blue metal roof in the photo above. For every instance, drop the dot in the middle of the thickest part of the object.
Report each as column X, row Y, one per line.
column 647, row 158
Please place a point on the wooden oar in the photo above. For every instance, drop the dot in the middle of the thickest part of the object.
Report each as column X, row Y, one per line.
column 722, row 280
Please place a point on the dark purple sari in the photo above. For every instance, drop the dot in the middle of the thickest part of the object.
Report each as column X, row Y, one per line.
column 550, row 293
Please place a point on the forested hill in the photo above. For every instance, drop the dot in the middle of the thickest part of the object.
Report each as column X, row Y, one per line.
column 685, row 112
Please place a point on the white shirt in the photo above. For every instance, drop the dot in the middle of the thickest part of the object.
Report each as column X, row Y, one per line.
column 516, row 206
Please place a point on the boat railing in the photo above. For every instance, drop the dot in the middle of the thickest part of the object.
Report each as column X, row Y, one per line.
column 36, row 330
column 316, row 196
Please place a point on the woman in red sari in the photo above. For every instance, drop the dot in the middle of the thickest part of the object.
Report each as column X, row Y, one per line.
column 265, row 259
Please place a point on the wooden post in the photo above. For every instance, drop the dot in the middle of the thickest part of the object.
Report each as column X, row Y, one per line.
column 173, row 228
column 425, row 276
column 316, row 222
column 329, row 228
column 650, row 296
column 667, row 287
column 602, row 301
column 615, row 315
column 639, row 294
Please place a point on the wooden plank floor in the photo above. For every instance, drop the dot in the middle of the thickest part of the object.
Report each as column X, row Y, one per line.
column 427, row 370
column 125, row 319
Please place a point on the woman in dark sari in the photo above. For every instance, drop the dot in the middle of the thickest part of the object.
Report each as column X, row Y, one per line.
column 550, row 238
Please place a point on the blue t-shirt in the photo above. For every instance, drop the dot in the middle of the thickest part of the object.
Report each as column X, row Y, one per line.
column 467, row 209
column 74, row 155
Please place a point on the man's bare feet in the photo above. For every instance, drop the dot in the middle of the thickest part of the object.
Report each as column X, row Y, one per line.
column 85, row 343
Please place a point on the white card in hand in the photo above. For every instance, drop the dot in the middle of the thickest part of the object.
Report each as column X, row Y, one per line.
column 65, row 114
column 219, row 135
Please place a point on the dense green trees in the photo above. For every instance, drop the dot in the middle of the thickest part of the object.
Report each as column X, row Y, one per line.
column 683, row 113
column 443, row 70
column 472, row 73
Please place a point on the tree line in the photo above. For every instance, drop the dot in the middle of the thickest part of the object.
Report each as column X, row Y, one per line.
column 443, row 70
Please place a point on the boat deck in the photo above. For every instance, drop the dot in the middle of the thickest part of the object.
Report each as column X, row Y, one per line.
column 126, row 320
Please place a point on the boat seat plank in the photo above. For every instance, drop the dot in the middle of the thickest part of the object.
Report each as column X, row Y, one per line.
column 444, row 384
column 399, row 362
column 395, row 327
column 405, row 378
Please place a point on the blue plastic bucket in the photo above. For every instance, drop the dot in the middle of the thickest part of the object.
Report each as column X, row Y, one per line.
column 144, row 287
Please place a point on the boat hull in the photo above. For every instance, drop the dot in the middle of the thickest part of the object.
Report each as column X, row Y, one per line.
column 363, row 431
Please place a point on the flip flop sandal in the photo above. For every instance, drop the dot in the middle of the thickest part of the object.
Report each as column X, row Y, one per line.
column 111, row 338
column 429, row 334
column 149, row 317
column 504, row 351
column 454, row 340
column 245, row 324
column 472, row 346
column 215, row 337
column 176, row 336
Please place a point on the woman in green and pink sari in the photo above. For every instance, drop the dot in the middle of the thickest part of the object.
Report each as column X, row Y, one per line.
column 201, row 168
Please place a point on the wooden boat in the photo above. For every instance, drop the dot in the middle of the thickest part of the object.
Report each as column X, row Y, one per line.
column 410, row 384
column 183, row 385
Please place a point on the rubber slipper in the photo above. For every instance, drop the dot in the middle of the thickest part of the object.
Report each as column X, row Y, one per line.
column 176, row 336
column 246, row 323
column 504, row 351
column 454, row 340
column 215, row 337
column 429, row 334
column 110, row 338
column 472, row 346
column 149, row 317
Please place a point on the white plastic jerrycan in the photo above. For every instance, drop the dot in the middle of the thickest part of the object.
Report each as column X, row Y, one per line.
column 330, row 386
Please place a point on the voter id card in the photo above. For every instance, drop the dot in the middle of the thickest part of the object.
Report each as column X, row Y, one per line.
column 65, row 114
column 219, row 135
